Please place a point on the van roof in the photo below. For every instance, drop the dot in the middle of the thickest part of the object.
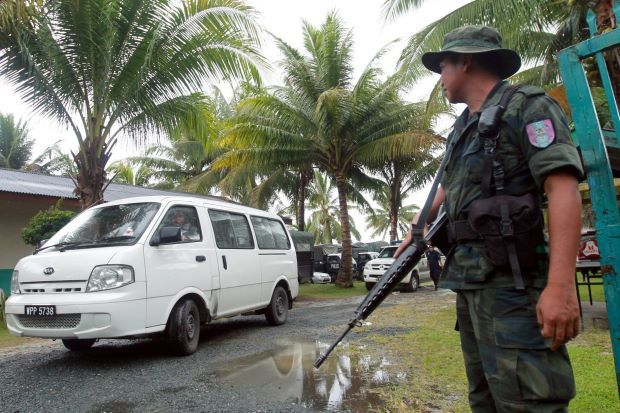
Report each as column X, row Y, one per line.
column 211, row 201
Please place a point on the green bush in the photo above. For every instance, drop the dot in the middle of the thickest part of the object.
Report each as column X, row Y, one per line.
column 45, row 224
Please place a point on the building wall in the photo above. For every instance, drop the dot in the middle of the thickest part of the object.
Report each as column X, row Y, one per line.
column 15, row 213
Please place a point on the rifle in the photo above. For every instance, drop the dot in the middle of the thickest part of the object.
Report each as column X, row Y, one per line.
column 405, row 262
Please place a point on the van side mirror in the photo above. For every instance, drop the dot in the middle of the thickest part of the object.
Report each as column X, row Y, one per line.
column 167, row 235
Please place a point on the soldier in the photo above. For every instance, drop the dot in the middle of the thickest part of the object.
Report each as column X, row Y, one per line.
column 512, row 336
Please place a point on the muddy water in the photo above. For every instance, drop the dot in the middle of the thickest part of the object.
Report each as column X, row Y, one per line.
column 346, row 381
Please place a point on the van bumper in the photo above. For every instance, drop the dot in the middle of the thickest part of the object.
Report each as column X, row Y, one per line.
column 106, row 314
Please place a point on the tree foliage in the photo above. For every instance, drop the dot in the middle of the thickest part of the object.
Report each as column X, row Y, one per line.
column 131, row 68
column 15, row 145
column 46, row 223
column 536, row 29
column 324, row 118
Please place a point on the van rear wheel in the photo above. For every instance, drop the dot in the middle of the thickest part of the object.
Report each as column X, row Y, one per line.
column 276, row 312
column 184, row 328
column 76, row 344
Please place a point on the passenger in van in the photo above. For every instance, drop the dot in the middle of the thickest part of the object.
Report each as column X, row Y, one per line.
column 188, row 231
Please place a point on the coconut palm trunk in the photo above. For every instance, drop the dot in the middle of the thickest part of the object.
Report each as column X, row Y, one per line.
column 345, row 274
column 395, row 202
column 301, row 201
column 91, row 178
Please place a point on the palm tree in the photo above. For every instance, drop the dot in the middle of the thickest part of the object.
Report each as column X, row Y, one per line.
column 381, row 220
column 53, row 161
column 321, row 117
column 401, row 177
column 323, row 221
column 172, row 165
column 125, row 173
column 111, row 68
column 15, row 145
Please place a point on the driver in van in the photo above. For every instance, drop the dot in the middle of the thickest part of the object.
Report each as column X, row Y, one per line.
column 188, row 232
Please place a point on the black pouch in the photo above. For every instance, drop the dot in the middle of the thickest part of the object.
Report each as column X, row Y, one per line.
column 505, row 219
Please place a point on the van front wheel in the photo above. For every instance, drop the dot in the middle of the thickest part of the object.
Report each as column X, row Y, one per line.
column 276, row 312
column 76, row 344
column 184, row 328
column 413, row 283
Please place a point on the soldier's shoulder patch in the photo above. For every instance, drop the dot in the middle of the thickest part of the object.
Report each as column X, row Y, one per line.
column 541, row 133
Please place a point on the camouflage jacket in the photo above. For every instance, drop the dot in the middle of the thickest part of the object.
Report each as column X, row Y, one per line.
column 534, row 141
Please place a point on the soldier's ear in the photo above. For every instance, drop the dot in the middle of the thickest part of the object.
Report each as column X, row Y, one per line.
column 467, row 61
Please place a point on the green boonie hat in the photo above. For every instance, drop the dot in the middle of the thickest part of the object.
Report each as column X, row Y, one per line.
column 475, row 39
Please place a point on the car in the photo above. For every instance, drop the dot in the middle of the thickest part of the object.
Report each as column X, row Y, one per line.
column 374, row 270
column 321, row 278
column 333, row 265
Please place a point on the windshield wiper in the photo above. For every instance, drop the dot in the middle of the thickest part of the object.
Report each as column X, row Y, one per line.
column 62, row 246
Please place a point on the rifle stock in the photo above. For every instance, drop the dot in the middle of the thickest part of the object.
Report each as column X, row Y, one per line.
column 405, row 262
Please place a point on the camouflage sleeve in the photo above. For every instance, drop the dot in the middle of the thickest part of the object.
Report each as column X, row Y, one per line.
column 546, row 140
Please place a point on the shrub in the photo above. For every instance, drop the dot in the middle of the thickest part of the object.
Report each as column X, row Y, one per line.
column 46, row 223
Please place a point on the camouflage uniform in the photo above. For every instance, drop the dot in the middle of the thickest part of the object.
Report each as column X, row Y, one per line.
column 509, row 364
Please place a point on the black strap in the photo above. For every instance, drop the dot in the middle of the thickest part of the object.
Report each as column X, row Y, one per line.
column 492, row 166
column 507, row 231
column 494, row 171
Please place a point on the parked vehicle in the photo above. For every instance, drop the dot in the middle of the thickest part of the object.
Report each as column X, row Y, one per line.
column 333, row 265
column 304, row 249
column 131, row 268
column 374, row 269
column 321, row 278
column 362, row 259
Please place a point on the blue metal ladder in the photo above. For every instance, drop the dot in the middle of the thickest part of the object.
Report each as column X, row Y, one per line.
column 594, row 144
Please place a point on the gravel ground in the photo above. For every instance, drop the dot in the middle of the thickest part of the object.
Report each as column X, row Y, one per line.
column 242, row 365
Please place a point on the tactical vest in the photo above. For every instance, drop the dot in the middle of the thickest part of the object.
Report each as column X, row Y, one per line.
column 500, row 212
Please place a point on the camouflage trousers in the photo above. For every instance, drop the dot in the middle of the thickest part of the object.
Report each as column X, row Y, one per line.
column 508, row 363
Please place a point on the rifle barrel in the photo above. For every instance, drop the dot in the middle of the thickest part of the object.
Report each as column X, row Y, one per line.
column 331, row 348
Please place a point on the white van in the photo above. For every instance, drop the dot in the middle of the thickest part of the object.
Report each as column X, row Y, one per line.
column 160, row 264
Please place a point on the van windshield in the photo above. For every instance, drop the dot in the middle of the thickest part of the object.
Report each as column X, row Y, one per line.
column 103, row 226
column 387, row 253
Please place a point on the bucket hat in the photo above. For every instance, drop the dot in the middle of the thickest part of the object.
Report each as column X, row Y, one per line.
column 475, row 40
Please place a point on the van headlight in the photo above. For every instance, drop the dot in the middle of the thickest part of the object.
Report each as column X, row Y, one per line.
column 15, row 283
column 107, row 277
column 367, row 266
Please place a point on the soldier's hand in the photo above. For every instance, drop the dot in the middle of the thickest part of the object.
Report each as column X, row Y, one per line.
column 558, row 314
column 406, row 242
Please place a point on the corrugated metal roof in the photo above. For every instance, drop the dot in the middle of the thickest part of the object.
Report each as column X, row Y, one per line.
column 32, row 183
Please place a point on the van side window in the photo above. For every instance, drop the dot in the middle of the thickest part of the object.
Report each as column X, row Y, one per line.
column 186, row 218
column 231, row 231
column 270, row 234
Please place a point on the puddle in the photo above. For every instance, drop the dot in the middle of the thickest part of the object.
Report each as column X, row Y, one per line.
column 343, row 383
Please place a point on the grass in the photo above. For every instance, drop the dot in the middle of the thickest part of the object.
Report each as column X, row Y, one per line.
column 427, row 350
column 597, row 293
column 593, row 364
column 330, row 291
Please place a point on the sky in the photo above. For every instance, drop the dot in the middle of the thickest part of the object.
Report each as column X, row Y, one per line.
column 283, row 18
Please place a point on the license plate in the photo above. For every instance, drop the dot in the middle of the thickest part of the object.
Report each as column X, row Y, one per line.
column 335, row 265
column 40, row 310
